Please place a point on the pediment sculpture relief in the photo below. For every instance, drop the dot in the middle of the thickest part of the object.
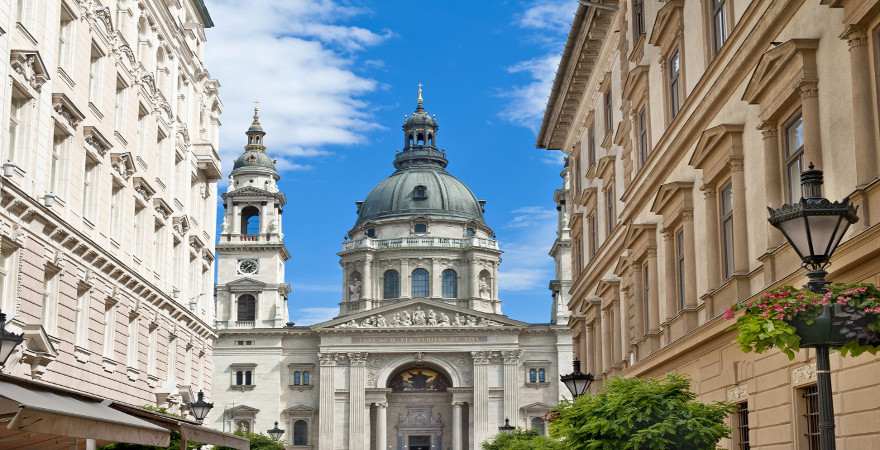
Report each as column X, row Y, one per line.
column 419, row 317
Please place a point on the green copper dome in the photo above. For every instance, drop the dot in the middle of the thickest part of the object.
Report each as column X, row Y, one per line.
column 254, row 156
column 421, row 185
column 254, row 159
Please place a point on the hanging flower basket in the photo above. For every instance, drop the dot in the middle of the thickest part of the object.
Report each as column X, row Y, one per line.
column 846, row 317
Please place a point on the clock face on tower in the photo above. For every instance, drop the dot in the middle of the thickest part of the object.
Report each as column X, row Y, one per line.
column 248, row 266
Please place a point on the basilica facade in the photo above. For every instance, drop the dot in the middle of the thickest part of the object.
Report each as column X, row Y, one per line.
column 420, row 355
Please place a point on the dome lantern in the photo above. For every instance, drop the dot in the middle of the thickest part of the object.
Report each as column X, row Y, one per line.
column 420, row 139
column 255, row 157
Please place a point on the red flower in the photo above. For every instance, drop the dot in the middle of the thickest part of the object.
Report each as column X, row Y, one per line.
column 729, row 314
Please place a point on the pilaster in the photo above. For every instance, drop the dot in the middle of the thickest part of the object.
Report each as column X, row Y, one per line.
column 510, row 359
column 482, row 360
column 358, row 438
column 327, row 400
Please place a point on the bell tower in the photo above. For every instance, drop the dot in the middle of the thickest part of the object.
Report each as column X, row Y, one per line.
column 251, row 291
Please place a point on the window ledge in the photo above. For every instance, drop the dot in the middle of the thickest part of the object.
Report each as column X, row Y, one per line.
column 96, row 110
column 538, row 385
column 82, row 354
column 133, row 374
column 152, row 380
column 88, row 223
column 242, row 387
column 108, row 364
column 68, row 80
column 300, row 387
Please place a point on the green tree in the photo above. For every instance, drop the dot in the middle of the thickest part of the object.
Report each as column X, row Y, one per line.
column 258, row 442
column 522, row 440
column 641, row 414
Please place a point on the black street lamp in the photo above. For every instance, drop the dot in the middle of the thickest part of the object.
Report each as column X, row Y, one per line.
column 275, row 433
column 507, row 427
column 577, row 382
column 814, row 227
column 200, row 407
column 8, row 340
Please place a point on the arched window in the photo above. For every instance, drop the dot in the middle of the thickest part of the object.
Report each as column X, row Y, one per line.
column 250, row 221
column 450, row 284
column 420, row 139
column 300, row 432
column 247, row 308
column 430, row 139
column 420, row 193
column 537, row 425
column 391, row 284
column 421, row 283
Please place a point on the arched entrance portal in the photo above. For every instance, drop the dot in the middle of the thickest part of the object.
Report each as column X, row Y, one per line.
column 419, row 408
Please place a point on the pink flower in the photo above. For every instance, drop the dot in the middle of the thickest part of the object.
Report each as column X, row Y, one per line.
column 729, row 314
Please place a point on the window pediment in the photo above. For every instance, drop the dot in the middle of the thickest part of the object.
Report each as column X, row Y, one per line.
column 245, row 284
column 636, row 84
column 717, row 148
column 299, row 411
column 780, row 71
column 29, row 65
column 607, row 289
column 674, row 200
column 667, row 25
column 622, row 133
column 588, row 197
column 641, row 239
column 605, row 168
column 67, row 110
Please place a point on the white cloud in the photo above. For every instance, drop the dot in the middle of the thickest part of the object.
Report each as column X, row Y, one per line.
column 527, row 265
column 549, row 22
column 310, row 316
column 296, row 59
column 325, row 288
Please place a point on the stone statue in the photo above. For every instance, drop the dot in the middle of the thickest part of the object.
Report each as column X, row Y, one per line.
column 354, row 289
column 418, row 316
column 380, row 321
column 432, row 317
column 443, row 321
column 471, row 321
column 459, row 321
column 405, row 319
column 485, row 290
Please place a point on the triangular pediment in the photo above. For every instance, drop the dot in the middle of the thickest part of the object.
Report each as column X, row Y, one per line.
column 246, row 282
column 419, row 314
column 778, row 60
column 248, row 190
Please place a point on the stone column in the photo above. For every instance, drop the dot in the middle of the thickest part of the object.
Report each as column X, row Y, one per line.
column 367, row 288
column 511, row 385
column 588, row 342
column 263, row 219
column 713, row 271
column 381, row 437
column 654, row 299
column 690, row 260
column 327, row 400
column 672, row 301
column 740, row 225
column 772, row 177
column 456, row 427
column 405, row 289
column 863, row 108
column 607, row 342
column 357, row 379
column 435, row 279
column 625, row 302
column 236, row 220
column 481, row 396
column 809, row 92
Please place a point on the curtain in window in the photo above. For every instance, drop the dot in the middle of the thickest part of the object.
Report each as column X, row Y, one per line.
column 450, row 284
column 420, row 283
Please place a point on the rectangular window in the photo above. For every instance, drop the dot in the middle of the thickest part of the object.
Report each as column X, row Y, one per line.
column 679, row 267
column 18, row 125
column 171, row 374
column 742, row 426
column 638, row 19
column 610, row 207
column 82, row 318
column 133, row 338
column 60, row 144
column 674, row 80
column 719, row 24
column 152, row 349
column 158, row 248
column 66, row 23
column 141, row 129
column 810, row 416
column 726, row 220
column 96, row 66
column 533, row 376
column 138, row 231
column 608, row 109
column 301, row 378
column 89, row 189
column 50, row 300
column 542, row 375
column 243, row 378
column 591, row 145
column 116, row 199
column 594, row 235
column 646, row 297
column 7, row 280
column 794, row 155
column 109, row 329
column 643, row 136
column 119, row 106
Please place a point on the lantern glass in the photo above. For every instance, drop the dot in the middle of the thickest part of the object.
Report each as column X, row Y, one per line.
column 275, row 432
column 8, row 340
column 570, row 384
column 795, row 231
column 200, row 407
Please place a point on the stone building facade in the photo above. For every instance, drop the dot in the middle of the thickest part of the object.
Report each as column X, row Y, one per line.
column 682, row 121
column 110, row 165
column 420, row 356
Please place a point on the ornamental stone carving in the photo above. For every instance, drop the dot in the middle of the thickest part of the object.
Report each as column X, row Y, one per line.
column 357, row 359
column 482, row 358
column 103, row 14
column 511, row 356
column 29, row 65
column 485, row 289
column 419, row 317
column 803, row 374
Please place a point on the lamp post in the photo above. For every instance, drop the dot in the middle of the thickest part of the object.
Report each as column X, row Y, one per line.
column 577, row 382
column 814, row 227
column 8, row 340
column 275, row 433
column 200, row 407
column 507, row 427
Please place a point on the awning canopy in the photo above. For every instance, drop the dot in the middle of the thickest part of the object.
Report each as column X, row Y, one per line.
column 189, row 431
column 36, row 415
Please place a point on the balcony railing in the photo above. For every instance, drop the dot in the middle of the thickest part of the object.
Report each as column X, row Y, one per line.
column 419, row 242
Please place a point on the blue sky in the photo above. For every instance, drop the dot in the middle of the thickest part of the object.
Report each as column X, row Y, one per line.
column 335, row 79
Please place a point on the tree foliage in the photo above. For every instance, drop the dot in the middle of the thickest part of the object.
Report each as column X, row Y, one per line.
column 258, row 442
column 641, row 414
column 522, row 440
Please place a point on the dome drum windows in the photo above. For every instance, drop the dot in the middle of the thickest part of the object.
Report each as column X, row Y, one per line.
column 391, row 284
column 420, row 228
column 421, row 283
column 420, row 193
column 250, row 221
column 450, row 284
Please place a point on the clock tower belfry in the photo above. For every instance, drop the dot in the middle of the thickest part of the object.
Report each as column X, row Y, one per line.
column 251, row 291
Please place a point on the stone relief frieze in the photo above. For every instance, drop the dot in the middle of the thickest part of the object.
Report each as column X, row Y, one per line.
column 418, row 317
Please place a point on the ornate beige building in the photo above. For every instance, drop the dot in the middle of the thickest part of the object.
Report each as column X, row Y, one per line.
column 108, row 194
column 681, row 121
